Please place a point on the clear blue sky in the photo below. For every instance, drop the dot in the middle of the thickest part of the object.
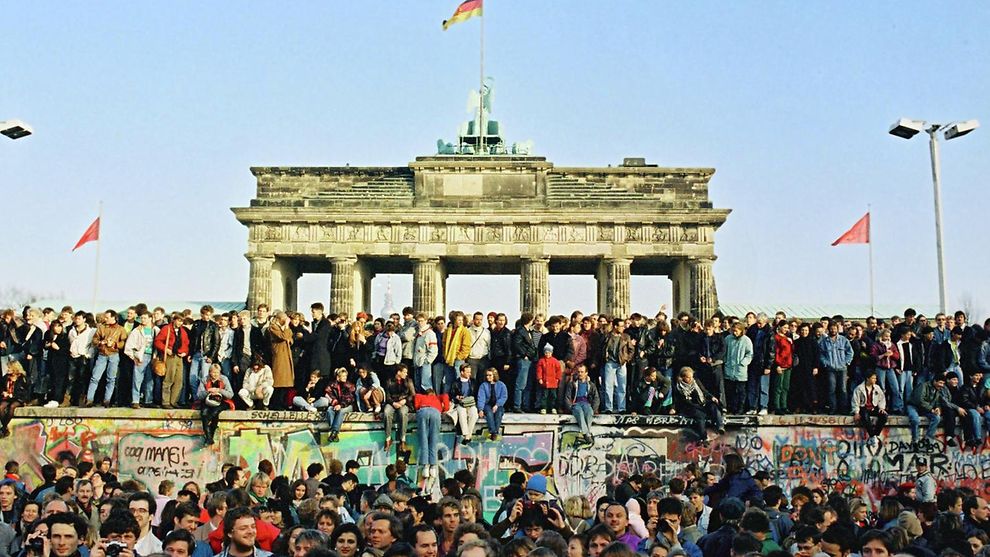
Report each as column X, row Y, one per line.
column 160, row 108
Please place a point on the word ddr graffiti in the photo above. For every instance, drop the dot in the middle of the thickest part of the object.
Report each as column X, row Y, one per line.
column 153, row 445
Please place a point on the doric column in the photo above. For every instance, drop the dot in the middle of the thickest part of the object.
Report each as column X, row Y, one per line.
column 534, row 285
column 428, row 285
column 613, row 287
column 285, row 275
column 342, row 285
column 363, row 274
column 703, row 296
column 260, row 280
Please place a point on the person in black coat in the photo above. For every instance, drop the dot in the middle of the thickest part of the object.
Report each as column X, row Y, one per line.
column 319, row 342
column 803, row 396
column 57, row 344
column 14, row 393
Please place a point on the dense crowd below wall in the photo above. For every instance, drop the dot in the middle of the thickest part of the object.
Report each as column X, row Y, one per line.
column 474, row 367
column 81, row 508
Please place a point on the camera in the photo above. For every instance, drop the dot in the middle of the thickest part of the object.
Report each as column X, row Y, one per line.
column 113, row 549
column 36, row 544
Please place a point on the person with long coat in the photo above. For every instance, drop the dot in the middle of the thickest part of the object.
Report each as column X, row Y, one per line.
column 280, row 335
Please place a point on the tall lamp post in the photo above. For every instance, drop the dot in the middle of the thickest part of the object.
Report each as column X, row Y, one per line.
column 907, row 128
column 15, row 129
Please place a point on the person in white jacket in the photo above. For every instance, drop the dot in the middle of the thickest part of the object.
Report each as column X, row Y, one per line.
column 140, row 348
column 259, row 384
column 81, row 354
column 869, row 404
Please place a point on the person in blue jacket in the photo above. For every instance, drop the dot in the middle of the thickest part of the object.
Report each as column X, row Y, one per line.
column 736, row 481
column 492, row 395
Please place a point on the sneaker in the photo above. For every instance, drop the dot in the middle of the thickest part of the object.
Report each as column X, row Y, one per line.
column 465, row 440
column 51, row 404
column 751, row 412
column 543, row 411
column 762, row 412
column 951, row 442
column 554, row 411
column 135, row 406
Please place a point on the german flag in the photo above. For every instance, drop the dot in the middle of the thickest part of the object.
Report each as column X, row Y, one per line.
column 464, row 12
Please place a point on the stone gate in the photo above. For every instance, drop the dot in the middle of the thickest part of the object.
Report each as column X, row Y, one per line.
column 482, row 214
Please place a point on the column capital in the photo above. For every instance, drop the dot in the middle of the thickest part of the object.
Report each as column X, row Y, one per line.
column 424, row 258
column 259, row 257
column 343, row 259
column 618, row 260
column 536, row 258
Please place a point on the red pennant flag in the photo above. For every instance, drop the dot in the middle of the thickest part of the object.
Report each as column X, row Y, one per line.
column 92, row 234
column 858, row 234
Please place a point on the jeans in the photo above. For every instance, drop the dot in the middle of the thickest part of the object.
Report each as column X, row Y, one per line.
column 904, row 384
column 336, row 417
column 388, row 417
column 143, row 382
column 583, row 415
column 106, row 364
column 978, row 424
column 300, row 402
column 914, row 421
column 889, row 377
column 425, row 377
column 227, row 369
column 614, row 380
column 198, row 369
column 757, row 389
column 523, row 395
column 669, row 374
column 836, row 380
column 428, row 426
column 494, row 420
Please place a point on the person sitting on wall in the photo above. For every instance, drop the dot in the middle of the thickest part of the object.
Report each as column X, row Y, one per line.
column 258, row 384
column 214, row 396
column 369, row 391
column 581, row 400
column 14, row 393
column 311, row 397
column 692, row 401
column 492, row 395
column 341, row 397
column 650, row 393
column 869, row 403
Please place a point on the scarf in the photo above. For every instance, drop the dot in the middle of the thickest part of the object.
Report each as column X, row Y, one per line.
column 690, row 389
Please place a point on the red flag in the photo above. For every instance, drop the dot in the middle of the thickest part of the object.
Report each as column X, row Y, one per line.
column 858, row 234
column 92, row 234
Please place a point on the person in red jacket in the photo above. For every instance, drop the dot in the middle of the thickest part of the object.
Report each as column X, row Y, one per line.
column 548, row 372
column 172, row 342
column 429, row 407
column 783, row 361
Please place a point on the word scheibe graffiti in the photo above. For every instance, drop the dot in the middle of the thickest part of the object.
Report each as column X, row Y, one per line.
column 151, row 446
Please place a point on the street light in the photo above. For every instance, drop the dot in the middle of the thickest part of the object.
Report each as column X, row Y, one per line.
column 15, row 129
column 906, row 128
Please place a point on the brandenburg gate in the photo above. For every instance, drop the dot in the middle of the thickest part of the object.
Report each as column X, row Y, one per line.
column 500, row 212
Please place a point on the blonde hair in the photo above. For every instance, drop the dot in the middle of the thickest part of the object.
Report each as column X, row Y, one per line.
column 15, row 367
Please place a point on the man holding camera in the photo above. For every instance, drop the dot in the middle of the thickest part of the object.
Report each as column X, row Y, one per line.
column 66, row 533
column 118, row 536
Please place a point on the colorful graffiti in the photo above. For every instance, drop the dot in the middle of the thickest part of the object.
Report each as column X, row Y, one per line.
column 151, row 446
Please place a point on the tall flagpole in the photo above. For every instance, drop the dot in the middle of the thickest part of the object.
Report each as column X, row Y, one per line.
column 96, row 270
column 481, row 87
column 869, row 231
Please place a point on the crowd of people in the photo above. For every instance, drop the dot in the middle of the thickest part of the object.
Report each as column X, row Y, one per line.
column 474, row 367
column 83, row 509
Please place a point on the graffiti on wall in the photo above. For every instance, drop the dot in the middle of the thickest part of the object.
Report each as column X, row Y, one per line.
column 158, row 445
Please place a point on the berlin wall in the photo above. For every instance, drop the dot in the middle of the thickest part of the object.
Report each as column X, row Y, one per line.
column 152, row 445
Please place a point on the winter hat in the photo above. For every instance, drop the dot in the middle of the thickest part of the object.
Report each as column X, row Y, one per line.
column 548, row 349
column 537, row 482
column 909, row 521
